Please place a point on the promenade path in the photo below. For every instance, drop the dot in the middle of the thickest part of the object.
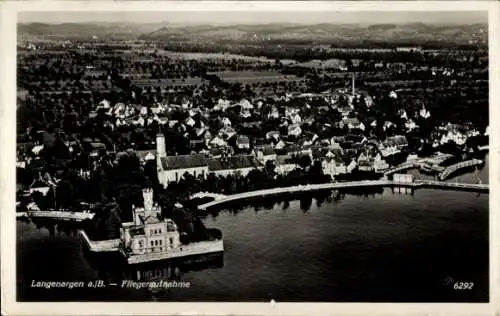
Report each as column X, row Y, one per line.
column 431, row 163
column 352, row 184
column 200, row 195
column 455, row 167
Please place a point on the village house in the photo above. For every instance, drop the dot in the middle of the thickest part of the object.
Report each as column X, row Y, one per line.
column 229, row 165
column 215, row 152
column 424, row 113
column 37, row 149
column 146, row 155
column 97, row 148
column 39, row 186
column 379, row 164
column 227, row 132
column 275, row 135
column 410, row 125
column 352, row 123
column 285, row 164
column 217, row 141
column 265, row 153
column 274, row 113
column 294, row 130
column 399, row 141
column 393, row 145
column 243, row 142
column 280, row 145
column 351, row 166
column 246, row 105
column 295, row 118
column 453, row 136
column 226, row 121
column 364, row 162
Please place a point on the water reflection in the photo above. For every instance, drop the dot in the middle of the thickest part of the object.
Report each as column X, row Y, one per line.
column 114, row 270
column 55, row 227
column 270, row 202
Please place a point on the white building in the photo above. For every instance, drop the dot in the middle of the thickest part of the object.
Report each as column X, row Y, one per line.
column 149, row 232
column 424, row 113
column 379, row 164
column 265, row 154
column 285, row 164
column 350, row 168
column 454, row 136
column 294, row 130
column 274, row 113
column 410, row 125
column 172, row 168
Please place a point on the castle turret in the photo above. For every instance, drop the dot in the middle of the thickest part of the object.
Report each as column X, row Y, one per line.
column 138, row 214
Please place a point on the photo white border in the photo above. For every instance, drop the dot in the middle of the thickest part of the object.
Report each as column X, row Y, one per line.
column 9, row 306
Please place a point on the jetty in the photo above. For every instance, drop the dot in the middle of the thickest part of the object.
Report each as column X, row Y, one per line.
column 455, row 167
column 401, row 167
column 476, row 187
column 59, row 215
column 353, row 184
column 108, row 245
column 215, row 196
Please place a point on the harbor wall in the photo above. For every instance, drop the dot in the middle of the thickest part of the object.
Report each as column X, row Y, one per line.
column 61, row 215
column 100, row 245
column 191, row 249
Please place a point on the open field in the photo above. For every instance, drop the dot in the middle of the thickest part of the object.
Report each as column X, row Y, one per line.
column 253, row 76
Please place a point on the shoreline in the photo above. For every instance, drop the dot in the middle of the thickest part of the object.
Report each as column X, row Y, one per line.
column 57, row 215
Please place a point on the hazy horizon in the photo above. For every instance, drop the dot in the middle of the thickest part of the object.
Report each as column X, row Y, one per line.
column 249, row 17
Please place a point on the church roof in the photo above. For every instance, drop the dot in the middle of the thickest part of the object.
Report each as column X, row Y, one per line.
column 233, row 162
column 183, row 161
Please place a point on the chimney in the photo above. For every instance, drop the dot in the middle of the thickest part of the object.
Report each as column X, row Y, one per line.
column 353, row 84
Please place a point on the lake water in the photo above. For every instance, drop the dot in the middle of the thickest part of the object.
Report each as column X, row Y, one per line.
column 378, row 247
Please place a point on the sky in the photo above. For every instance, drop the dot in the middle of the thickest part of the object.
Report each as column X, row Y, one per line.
column 214, row 17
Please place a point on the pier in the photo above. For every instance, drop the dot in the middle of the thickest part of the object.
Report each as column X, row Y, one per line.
column 100, row 245
column 432, row 164
column 200, row 195
column 59, row 215
column 402, row 167
column 453, row 185
column 428, row 166
column 455, row 167
column 353, row 184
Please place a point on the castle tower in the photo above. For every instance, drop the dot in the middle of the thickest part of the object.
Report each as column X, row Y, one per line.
column 147, row 194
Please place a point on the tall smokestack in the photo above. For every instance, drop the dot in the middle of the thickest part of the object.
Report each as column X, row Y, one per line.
column 353, row 84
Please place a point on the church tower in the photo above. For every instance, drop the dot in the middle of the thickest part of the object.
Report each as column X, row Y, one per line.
column 160, row 145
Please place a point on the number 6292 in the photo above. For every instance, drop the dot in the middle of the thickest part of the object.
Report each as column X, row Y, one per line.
column 463, row 285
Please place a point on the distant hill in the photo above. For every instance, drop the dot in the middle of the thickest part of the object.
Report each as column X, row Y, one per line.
column 242, row 32
column 319, row 31
column 85, row 30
